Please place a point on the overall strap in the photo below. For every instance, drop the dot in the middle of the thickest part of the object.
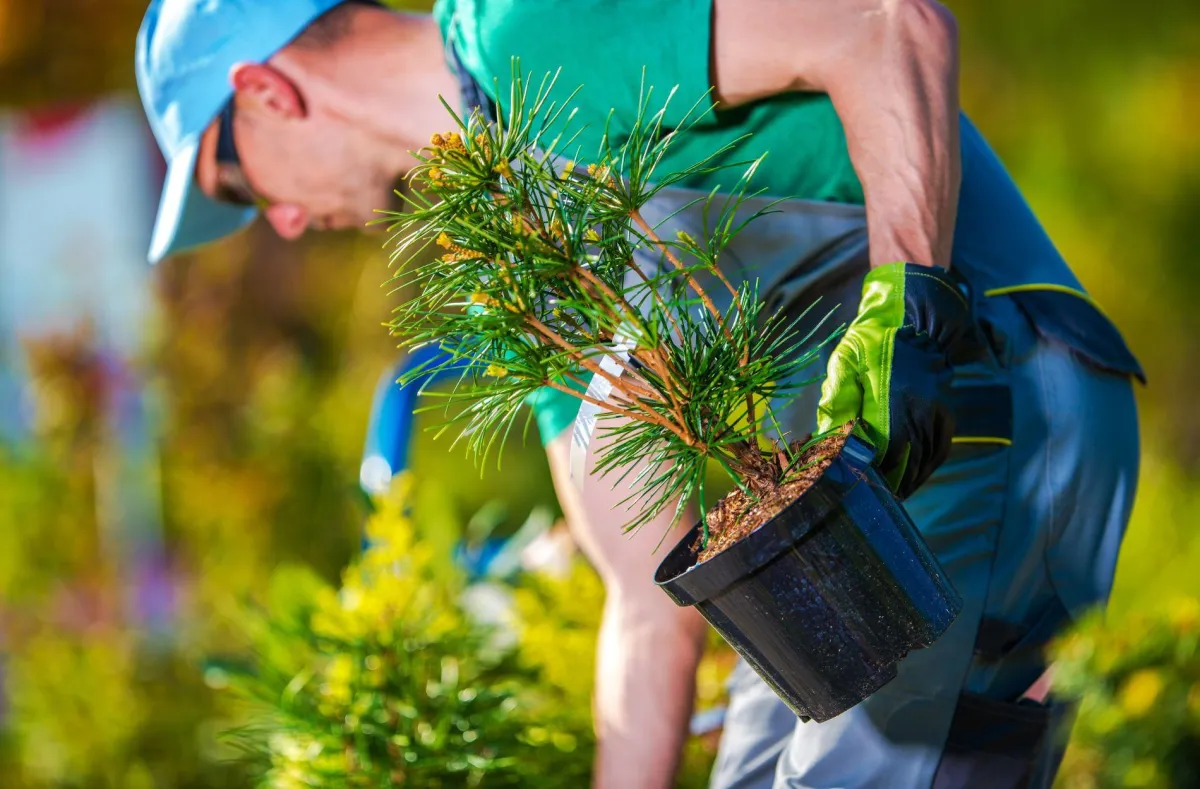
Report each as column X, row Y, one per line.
column 471, row 94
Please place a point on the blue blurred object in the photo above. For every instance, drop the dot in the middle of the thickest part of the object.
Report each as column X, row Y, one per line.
column 477, row 561
column 388, row 444
column 389, row 433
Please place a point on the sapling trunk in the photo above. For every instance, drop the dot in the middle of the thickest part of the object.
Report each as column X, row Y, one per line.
column 549, row 276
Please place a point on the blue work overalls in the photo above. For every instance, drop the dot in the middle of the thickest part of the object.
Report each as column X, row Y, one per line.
column 1026, row 516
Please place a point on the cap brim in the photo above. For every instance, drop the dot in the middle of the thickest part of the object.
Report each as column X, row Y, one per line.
column 187, row 217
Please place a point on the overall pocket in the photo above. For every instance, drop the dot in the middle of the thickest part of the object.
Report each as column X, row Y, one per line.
column 993, row 744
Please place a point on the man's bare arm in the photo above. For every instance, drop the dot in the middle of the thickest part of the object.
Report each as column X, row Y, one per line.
column 649, row 647
column 890, row 68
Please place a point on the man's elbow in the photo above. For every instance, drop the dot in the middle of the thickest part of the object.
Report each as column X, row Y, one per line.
column 926, row 25
column 886, row 34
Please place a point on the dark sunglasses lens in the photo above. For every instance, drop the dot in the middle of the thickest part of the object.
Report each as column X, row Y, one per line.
column 226, row 152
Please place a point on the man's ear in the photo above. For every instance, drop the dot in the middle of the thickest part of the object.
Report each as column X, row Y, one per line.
column 268, row 88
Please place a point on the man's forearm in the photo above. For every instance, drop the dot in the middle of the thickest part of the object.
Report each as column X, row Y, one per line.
column 890, row 68
column 899, row 107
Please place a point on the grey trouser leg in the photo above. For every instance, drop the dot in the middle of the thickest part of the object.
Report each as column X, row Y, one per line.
column 758, row 727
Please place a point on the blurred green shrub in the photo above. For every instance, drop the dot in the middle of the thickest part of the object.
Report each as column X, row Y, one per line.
column 388, row 681
column 1136, row 681
column 96, row 709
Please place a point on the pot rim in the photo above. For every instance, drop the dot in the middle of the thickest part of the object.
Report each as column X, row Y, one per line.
column 700, row 581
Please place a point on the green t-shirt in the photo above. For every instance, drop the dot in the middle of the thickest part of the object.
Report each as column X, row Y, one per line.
column 603, row 49
column 602, row 46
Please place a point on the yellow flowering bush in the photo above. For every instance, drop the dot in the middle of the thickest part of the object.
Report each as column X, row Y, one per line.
column 388, row 682
column 1136, row 682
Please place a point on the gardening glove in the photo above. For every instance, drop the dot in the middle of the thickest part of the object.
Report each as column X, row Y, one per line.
column 891, row 371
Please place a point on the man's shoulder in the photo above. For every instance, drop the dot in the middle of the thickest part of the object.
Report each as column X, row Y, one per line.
column 490, row 33
column 505, row 21
column 577, row 35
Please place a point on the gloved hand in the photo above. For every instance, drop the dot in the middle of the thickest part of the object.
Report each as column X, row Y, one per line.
column 891, row 370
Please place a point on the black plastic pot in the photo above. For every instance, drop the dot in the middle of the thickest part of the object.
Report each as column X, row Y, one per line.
column 827, row 597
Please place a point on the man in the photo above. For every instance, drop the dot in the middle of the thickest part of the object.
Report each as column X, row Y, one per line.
column 305, row 111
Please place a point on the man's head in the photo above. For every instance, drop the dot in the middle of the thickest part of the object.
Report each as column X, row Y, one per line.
column 253, row 104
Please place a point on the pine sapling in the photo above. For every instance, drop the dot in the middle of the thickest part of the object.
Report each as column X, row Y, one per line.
column 547, row 274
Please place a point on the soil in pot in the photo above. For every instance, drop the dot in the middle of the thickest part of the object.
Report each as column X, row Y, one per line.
column 736, row 516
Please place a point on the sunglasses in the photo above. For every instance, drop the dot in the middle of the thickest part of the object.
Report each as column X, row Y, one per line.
column 232, row 186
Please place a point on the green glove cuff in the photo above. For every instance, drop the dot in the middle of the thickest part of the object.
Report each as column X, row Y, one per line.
column 858, row 383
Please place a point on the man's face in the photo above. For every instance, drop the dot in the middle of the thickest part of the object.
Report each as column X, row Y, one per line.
column 303, row 167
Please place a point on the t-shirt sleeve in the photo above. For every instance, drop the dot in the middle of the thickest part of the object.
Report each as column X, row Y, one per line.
column 614, row 52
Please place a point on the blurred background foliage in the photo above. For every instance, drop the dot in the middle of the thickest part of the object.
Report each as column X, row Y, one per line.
column 264, row 355
column 1137, row 682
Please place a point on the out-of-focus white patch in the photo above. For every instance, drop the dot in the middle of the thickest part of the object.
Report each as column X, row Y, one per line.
column 375, row 474
column 491, row 604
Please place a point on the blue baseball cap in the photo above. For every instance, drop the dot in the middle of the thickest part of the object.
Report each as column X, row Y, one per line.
column 185, row 51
